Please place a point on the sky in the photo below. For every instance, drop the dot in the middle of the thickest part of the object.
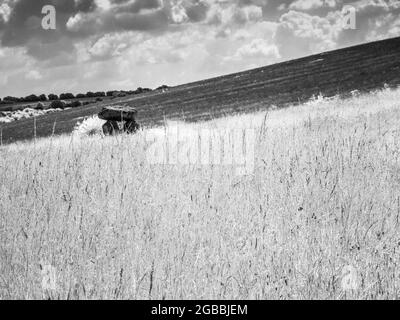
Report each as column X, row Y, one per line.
column 124, row 44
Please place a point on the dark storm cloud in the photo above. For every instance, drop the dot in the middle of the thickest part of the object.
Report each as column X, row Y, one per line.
column 116, row 20
column 85, row 5
column 140, row 15
column 82, row 18
column 197, row 11
column 24, row 29
column 134, row 21
column 24, row 23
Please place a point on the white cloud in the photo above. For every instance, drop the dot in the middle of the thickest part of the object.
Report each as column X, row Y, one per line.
column 306, row 4
column 248, row 13
column 226, row 13
column 394, row 30
column 257, row 48
column 178, row 12
column 311, row 4
column 304, row 25
column 300, row 33
column 76, row 22
column 33, row 75
column 103, row 4
column 111, row 45
column 5, row 12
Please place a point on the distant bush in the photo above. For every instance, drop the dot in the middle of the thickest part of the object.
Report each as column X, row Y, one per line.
column 66, row 96
column 31, row 98
column 74, row 104
column 53, row 97
column 141, row 90
column 11, row 99
column 57, row 104
column 81, row 95
column 34, row 98
column 90, row 94
column 40, row 106
column 163, row 87
column 95, row 94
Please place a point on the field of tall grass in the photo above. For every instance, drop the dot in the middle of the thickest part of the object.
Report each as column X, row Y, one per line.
column 88, row 217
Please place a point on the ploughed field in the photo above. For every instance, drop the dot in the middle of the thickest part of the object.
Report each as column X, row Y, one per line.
column 364, row 67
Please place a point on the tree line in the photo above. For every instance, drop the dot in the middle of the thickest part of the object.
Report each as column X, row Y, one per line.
column 68, row 96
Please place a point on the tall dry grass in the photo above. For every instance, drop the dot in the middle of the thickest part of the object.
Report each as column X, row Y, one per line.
column 324, row 199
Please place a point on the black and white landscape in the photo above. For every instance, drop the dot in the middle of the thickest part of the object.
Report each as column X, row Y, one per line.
column 199, row 149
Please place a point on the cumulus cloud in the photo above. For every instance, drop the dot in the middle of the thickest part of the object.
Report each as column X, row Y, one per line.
column 113, row 44
column 75, row 23
column 306, row 34
column 223, row 13
column 178, row 12
column 311, row 4
column 5, row 12
column 33, row 75
column 257, row 48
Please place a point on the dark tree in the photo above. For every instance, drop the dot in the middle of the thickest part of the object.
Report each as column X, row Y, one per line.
column 66, row 96
column 11, row 99
column 31, row 98
column 53, row 97
column 163, row 87
column 74, row 104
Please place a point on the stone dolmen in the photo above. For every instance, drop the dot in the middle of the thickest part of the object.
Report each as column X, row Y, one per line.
column 119, row 119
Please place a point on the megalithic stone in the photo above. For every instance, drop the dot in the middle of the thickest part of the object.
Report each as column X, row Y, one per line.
column 110, row 128
column 131, row 126
column 118, row 113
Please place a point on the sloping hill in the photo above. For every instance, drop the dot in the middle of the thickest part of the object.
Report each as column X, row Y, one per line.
column 364, row 67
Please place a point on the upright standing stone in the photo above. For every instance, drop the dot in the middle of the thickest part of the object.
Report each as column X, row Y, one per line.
column 131, row 126
column 110, row 128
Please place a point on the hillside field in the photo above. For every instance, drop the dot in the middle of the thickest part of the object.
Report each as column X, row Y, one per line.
column 90, row 217
column 365, row 67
